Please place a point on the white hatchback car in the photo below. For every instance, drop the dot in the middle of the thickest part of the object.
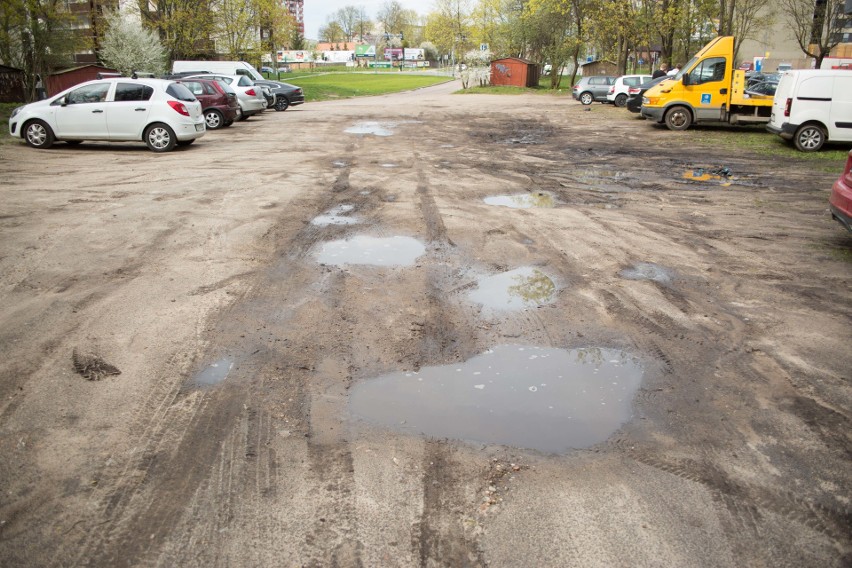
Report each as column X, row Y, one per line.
column 249, row 96
column 159, row 112
column 618, row 91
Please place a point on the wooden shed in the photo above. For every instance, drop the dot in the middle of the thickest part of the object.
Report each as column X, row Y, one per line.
column 514, row 72
column 11, row 85
column 61, row 80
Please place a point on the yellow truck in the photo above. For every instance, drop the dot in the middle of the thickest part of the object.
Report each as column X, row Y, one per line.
column 707, row 89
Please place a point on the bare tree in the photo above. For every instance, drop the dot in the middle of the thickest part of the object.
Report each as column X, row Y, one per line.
column 348, row 17
column 817, row 26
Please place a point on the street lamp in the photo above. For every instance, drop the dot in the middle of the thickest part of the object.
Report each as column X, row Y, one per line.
column 389, row 37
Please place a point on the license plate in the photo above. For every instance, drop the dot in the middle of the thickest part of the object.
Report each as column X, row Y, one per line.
column 199, row 127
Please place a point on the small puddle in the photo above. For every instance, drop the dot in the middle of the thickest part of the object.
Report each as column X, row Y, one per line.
column 336, row 216
column 215, row 373
column 648, row 271
column 374, row 128
column 541, row 398
column 520, row 288
column 388, row 251
column 720, row 176
column 522, row 201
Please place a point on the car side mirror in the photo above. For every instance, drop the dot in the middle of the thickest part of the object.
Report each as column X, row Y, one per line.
column 686, row 81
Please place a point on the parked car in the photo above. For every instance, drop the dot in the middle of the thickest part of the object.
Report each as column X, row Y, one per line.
column 267, row 70
column 218, row 101
column 617, row 94
column 840, row 201
column 159, row 112
column 635, row 94
column 592, row 88
column 249, row 97
column 286, row 95
column 813, row 106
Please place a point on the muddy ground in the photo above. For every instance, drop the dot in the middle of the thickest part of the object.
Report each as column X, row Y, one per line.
column 116, row 260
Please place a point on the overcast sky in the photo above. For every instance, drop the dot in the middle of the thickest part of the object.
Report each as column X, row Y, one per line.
column 318, row 11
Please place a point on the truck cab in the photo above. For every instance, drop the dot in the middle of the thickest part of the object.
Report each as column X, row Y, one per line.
column 707, row 89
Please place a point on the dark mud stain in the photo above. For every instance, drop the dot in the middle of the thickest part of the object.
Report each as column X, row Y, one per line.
column 648, row 271
column 91, row 366
column 388, row 251
column 546, row 399
column 520, row 288
column 514, row 132
column 522, row 201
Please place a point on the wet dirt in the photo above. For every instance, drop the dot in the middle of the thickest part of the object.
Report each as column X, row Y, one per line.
column 736, row 451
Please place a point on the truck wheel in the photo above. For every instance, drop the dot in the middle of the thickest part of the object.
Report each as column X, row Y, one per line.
column 809, row 138
column 587, row 98
column 621, row 100
column 678, row 118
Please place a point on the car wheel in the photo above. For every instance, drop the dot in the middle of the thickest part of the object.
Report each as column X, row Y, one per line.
column 160, row 138
column 809, row 138
column 38, row 134
column 185, row 142
column 621, row 100
column 678, row 118
column 587, row 98
column 214, row 119
column 281, row 103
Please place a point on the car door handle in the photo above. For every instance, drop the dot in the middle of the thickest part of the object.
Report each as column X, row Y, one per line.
column 97, row 111
column 723, row 91
column 140, row 109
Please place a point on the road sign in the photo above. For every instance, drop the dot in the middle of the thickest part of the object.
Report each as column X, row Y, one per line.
column 483, row 47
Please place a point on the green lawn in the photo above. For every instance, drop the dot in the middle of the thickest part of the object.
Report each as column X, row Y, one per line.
column 344, row 85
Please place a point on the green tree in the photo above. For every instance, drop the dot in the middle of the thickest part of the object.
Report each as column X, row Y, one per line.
column 448, row 27
column 37, row 36
column 818, row 27
column 128, row 46
column 331, row 32
column 348, row 19
column 186, row 27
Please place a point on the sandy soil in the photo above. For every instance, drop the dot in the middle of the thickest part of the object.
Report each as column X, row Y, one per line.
column 113, row 259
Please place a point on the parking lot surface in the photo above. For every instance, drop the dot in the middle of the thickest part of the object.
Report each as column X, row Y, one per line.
column 201, row 349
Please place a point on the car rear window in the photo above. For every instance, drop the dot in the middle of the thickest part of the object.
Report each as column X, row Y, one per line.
column 180, row 92
column 133, row 92
column 245, row 81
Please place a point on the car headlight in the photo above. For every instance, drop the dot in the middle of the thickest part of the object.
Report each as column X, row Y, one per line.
column 16, row 111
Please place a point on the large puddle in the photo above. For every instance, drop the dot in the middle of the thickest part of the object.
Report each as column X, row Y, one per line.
column 520, row 288
column 522, row 201
column 541, row 398
column 372, row 127
column 387, row 251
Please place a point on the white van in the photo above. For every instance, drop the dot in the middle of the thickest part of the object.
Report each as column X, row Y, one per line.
column 220, row 67
column 813, row 106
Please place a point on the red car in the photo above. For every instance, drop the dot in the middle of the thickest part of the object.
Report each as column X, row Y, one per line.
column 841, row 196
column 218, row 101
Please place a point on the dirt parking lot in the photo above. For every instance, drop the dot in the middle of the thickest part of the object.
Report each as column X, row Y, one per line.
column 202, row 295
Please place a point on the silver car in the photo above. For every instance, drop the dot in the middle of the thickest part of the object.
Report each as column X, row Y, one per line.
column 250, row 97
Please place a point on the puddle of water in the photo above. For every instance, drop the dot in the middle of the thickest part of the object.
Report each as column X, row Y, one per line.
column 336, row 216
column 339, row 164
column 389, row 251
column 522, row 201
column 722, row 176
column 215, row 373
column 520, row 288
column 370, row 127
column 389, row 165
column 648, row 271
column 546, row 399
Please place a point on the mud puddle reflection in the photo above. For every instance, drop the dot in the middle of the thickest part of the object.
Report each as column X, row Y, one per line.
column 388, row 251
column 547, row 399
column 520, row 288
column 214, row 373
column 522, row 201
column 336, row 216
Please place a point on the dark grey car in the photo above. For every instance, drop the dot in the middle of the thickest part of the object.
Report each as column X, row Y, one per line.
column 286, row 95
column 593, row 88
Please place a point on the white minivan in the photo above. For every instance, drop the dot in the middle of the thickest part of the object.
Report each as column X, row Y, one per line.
column 220, row 67
column 812, row 107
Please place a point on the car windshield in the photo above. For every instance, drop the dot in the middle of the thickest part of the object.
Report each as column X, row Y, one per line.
column 684, row 68
column 180, row 92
